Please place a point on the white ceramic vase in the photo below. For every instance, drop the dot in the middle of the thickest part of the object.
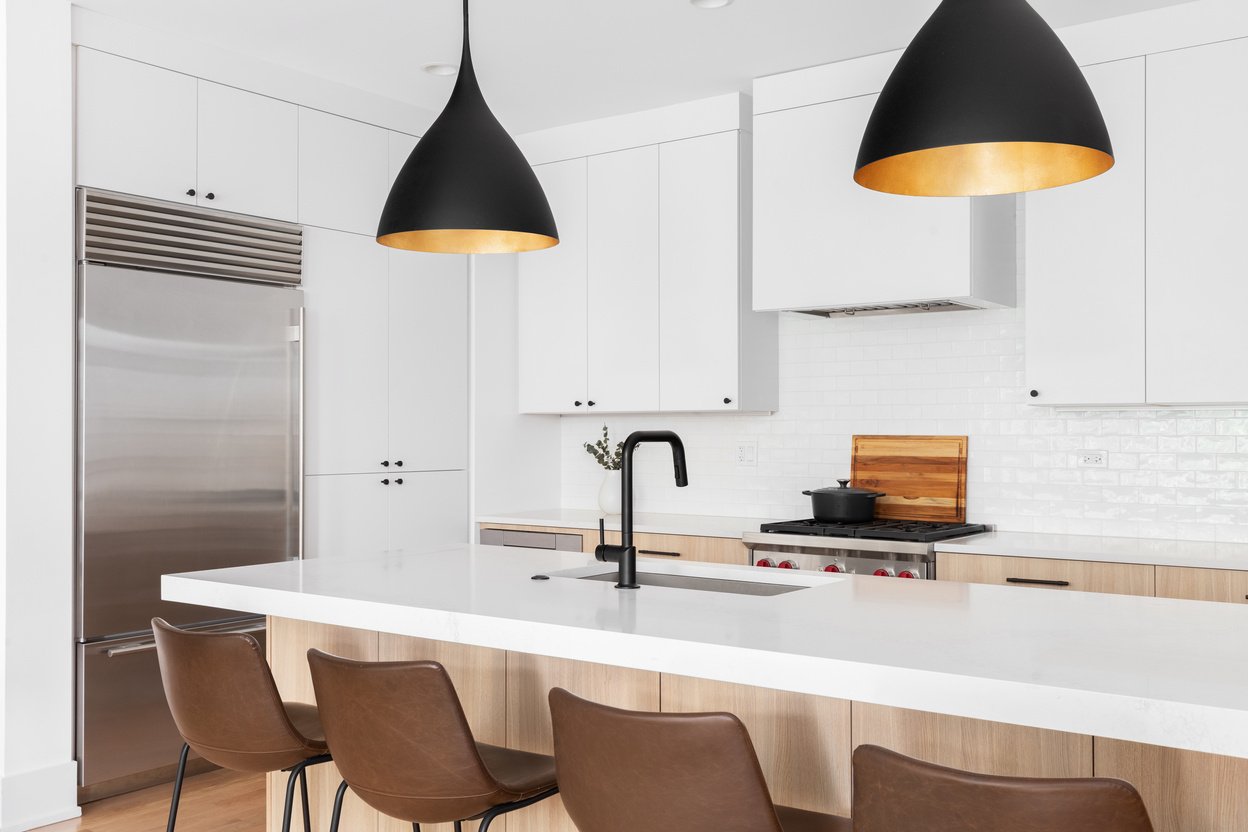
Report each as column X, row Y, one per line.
column 610, row 493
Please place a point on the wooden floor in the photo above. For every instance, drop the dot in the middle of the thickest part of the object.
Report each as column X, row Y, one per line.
column 218, row 801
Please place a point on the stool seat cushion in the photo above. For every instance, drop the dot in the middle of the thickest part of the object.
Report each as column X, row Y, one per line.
column 522, row 773
column 801, row 820
column 307, row 721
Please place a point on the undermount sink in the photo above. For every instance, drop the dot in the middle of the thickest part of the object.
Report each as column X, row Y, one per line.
column 704, row 584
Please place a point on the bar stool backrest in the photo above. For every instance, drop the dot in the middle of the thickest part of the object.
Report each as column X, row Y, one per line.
column 224, row 700
column 623, row 771
column 895, row 793
column 400, row 739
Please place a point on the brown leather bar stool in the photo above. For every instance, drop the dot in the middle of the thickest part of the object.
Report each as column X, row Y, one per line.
column 623, row 771
column 401, row 742
column 894, row 793
column 226, row 706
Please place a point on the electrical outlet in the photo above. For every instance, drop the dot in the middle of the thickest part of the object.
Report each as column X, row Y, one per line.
column 1093, row 459
column 747, row 454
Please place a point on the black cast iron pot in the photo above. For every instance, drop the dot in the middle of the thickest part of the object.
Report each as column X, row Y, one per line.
column 843, row 504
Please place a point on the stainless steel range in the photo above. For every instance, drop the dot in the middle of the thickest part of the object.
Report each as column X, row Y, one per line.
column 887, row 548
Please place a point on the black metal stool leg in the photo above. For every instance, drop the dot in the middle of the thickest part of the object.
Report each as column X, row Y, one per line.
column 333, row 821
column 303, row 790
column 290, row 798
column 177, row 788
column 459, row 826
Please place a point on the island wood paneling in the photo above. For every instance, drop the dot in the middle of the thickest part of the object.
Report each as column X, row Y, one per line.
column 922, row 477
column 1080, row 575
column 973, row 744
column 288, row 642
column 802, row 741
column 529, row 680
column 1184, row 791
column 1225, row 585
column 480, row 678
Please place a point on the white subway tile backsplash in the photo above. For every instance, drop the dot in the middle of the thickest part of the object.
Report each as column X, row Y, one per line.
column 1170, row 473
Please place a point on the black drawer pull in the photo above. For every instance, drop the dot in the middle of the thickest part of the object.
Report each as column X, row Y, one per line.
column 1036, row 582
column 655, row 552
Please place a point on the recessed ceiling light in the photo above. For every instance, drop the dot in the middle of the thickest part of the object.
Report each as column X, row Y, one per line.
column 441, row 69
column 710, row 4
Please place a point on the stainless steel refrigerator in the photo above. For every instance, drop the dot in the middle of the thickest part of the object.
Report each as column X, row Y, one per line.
column 189, row 447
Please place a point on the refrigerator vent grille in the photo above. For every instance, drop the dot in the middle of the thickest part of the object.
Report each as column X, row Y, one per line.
column 889, row 309
column 121, row 230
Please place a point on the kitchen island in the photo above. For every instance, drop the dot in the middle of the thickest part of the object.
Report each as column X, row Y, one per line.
column 982, row 677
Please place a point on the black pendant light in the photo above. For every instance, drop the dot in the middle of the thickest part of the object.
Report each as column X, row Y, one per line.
column 466, row 188
column 985, row 100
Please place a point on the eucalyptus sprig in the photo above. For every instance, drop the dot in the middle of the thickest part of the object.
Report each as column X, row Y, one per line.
column 601, row 451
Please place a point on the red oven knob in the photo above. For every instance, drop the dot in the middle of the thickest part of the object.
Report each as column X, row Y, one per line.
column 907, row 573
column 833, row 567
column 764, row 562
column 788, row 564
column 883, row 572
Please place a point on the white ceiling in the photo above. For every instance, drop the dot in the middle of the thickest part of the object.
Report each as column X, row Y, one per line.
column 548, row 62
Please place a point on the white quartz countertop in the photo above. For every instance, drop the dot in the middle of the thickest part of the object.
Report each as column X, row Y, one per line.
column 1194, row 553
column 697, row 525
column 1153, row 670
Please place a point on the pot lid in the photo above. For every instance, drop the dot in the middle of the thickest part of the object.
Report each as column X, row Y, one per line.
column 846, row 489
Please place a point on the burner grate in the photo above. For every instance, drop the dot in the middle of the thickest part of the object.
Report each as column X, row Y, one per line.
column 906, row 530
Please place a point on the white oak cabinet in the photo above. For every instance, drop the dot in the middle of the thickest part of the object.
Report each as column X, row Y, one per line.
column 823, row 242
column 623, row 273
column 1085, row 292
column 1197, row 261
column 386, row 386
column 553, row 297
column 353, row 515
column 151, row 132
column 643, row 306
column 344, row 172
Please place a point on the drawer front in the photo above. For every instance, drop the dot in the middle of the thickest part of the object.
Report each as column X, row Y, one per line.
column 1224, row 585
column 682, row 547
column 1041, row 573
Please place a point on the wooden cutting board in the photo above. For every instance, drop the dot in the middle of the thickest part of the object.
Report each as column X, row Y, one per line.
column 924, row 477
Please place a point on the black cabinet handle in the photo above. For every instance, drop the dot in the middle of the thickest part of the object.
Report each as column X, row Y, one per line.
column 1036, row 582
column 399, row 463
column 591, row 404
column 727, row 400
column 385, row 482
column 578, row 404
column 399, row 481
column 1035, row 394
column 210, row 195
column 656, row 552
column 385, row 463
column 190, row 192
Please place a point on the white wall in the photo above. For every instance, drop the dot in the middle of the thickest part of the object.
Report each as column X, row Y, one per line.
column 517, row 457
column 39, row 774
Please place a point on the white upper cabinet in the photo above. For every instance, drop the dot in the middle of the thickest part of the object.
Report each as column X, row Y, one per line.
column 1085, row 292
column 1197, row 260
column 136, row 128
column 248, row 153
column 346, row 298
column 700, row 268
column 623, row 299
column 553, row 297
column 428, row 360
column 344, row 170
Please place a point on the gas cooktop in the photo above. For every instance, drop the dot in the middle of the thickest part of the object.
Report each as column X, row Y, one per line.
column 908, row 530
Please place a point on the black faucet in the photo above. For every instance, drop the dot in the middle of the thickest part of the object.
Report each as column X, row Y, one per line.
column 626, row 553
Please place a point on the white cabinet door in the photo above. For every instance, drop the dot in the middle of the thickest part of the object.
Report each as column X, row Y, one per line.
column 428, row 509
column 343, row 172
column 552, row 300
column 428, row 361
column 1197, row 259
column 1085, row 264
column 346, row 515
column 821, row 240
column 345, row 280
column 401, row 146
column 136, row 128
column 699, row 274
column 623, row 295
column 248, row 153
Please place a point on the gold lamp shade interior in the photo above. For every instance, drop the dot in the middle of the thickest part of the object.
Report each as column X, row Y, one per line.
column 983, row 169
column 467, row 241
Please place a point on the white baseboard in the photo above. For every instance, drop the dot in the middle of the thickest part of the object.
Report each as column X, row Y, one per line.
column 31, row 799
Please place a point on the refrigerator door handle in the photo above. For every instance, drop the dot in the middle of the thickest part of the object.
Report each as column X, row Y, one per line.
column 300, row 440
